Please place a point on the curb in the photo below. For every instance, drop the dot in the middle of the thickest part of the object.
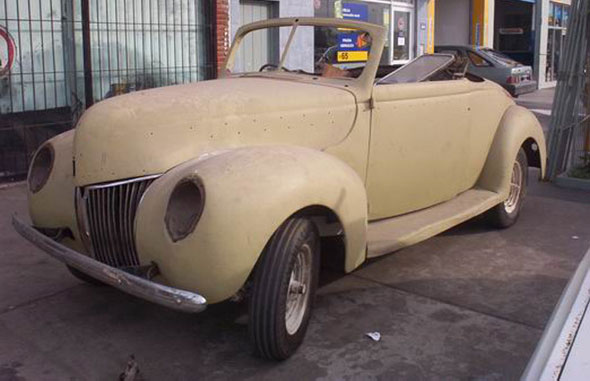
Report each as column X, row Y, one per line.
column 12, row 185
column 565, row 181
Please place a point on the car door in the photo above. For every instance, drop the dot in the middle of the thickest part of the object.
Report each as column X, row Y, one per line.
column 418, row 145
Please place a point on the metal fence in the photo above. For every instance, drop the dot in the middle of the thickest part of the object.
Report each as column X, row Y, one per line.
column 139, row 44
column 36, row 80
column 58, row 57
column 567, row 143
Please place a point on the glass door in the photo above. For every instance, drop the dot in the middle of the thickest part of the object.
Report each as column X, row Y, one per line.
column 402, row 34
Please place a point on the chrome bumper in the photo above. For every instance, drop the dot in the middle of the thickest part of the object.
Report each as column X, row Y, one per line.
column 174, row 298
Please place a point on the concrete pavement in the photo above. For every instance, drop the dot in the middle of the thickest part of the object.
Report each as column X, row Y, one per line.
column 470, row 303
column 539, row 102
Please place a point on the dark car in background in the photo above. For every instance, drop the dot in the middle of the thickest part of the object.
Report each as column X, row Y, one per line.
column 515, row 77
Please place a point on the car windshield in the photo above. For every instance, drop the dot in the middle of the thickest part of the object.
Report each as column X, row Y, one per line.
column 500, row 57
column 321, row 51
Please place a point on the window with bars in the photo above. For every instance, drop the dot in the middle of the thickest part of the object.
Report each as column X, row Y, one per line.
column 58, row 56
column 140, row 44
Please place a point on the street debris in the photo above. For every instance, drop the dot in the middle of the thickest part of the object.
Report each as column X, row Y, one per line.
column 375, row 336
column 575, row 237
column 131, row 372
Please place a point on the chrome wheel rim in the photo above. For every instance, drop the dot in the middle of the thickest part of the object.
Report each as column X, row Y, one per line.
column 298, row 291
column 513, row 199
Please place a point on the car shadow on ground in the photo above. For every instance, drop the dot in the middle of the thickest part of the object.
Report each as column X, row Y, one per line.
column 215, row 345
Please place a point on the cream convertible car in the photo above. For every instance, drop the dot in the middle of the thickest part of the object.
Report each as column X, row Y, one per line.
column 194, row 194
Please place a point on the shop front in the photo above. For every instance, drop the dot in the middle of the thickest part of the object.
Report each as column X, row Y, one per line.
column 399, row 17
column 557, row 21
column 409, row 23
column 553, row 18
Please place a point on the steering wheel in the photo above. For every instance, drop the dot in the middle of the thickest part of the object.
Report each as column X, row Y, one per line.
column 268, row 66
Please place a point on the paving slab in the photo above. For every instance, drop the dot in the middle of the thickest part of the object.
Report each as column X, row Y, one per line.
column 540, row 99
column 540, row 103
column 497, row 272
column 88, row 333
column 26, row 273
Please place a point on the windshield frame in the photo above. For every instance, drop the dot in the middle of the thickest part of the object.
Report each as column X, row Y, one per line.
column 362, row 83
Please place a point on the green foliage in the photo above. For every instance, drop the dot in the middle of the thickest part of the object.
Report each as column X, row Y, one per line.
column 580, row 172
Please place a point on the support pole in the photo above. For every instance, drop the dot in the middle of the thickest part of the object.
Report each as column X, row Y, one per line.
column 479, row 22
column 430, row 35
column 88, row 91
column 587, row 95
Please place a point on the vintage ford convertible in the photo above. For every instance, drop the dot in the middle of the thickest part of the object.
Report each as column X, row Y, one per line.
column 193, row 194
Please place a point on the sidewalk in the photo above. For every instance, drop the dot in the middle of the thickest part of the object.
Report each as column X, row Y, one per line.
column 540, row 103
column 540, row 99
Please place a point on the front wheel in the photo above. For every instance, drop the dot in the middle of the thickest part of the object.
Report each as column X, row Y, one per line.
column 284, row 288
column 506, row 213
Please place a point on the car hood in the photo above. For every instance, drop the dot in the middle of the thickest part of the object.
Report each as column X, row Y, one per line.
column 149, row 132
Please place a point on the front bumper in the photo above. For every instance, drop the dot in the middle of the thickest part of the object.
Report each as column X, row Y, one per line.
column 170, row 297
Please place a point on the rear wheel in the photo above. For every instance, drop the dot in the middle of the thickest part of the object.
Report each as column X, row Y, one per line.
column 284, row 288
column 506, row 213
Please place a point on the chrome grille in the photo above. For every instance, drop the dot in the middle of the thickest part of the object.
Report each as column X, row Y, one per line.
column 107, row 215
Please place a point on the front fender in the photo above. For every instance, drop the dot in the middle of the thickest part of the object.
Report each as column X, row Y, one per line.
column 518, row 125
column 54, row 206
column 249, row 192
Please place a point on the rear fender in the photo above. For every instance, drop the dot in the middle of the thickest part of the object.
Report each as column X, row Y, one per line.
column 518, row 128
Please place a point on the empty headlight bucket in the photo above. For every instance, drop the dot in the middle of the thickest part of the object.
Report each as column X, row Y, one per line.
column 185, row 207
column 41, row 167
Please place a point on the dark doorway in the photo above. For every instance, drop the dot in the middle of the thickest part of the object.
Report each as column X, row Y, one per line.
column 514, row 33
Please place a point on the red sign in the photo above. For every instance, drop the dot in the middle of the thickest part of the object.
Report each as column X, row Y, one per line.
column 7, row 50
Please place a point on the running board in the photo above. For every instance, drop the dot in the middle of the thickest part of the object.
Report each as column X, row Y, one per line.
column 388, row 235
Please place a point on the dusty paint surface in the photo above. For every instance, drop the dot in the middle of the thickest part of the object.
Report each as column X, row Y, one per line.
column 272, row 144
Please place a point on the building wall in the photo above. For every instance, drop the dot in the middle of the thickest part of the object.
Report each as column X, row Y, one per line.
column 464, row 22
column 452, row 22
column 421, row 26
column 286, row 8
column 425, row 26
column 222, row 31
column 491, row 10
column 303, row 42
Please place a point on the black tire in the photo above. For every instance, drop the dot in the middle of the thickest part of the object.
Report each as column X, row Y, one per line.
column 506, row 213
column 297, row 238
column 84, row 277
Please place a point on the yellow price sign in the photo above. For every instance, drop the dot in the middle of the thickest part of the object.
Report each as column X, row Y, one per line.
column 353, row 56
